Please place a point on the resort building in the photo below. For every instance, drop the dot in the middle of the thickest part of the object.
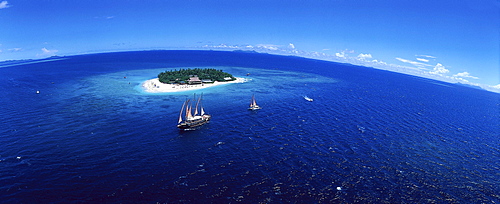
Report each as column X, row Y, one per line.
column 194, row 80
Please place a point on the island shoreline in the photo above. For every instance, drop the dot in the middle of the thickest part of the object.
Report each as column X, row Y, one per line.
column 155, row 86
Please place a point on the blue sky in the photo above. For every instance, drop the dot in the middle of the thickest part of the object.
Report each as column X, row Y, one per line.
column 451, row 40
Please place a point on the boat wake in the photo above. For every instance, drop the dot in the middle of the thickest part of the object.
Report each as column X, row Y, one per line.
column 308, row 99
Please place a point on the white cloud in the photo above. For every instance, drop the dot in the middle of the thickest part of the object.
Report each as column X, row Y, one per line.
column 104, row 17
column 223, row 46
column 422, row 60
column 379, row 62
column 439, row 69
column 426, row 56
column 418, row 64
column 341, row 54
column 364, row 56
column 268, row 47
column 4, row 4
column 403, row 60
column 291, row 46
column 15, row 49
column 496, row 87
column 46, row 52
column 465, row 74
column 459, row 79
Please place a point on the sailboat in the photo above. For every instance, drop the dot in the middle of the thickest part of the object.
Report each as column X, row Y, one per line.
column 192, row 118
column 253, row 104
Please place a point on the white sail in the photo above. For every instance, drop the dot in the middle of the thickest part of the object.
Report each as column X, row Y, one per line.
column 180, row 114
column 253, row 104
column 252, row 101
column 188, row 112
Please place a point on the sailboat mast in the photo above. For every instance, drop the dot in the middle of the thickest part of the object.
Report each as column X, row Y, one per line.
column 196, row 108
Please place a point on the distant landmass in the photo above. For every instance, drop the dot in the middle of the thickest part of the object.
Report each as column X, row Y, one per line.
column 469, row 85
column 9, row 63
column 246, row 51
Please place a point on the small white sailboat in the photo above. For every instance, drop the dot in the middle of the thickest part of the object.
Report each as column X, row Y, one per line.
column 253, row 104
column 308, row 99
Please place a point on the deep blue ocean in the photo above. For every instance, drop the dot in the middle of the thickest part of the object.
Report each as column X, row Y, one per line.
column 92, row 135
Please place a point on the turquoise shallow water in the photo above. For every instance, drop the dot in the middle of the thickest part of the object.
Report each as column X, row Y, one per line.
column 370, row 136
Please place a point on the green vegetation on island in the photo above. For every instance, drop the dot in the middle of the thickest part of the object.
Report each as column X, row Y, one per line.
column 194, row 76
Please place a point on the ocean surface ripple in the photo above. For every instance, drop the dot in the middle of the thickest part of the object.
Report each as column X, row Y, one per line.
column 92, row 135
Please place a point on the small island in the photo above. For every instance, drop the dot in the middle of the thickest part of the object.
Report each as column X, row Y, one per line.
column 189, row 79
column 194, row 76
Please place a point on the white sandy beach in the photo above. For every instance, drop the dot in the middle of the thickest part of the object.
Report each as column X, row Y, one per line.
column 155, row 86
